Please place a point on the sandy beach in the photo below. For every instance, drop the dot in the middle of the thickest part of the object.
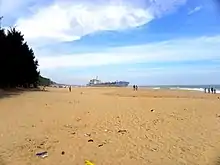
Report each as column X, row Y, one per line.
column 110, row 126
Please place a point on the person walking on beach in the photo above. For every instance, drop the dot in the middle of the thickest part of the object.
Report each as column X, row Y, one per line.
column 70, row 89
column 212, row 90
column 134, row 87
column 208, row 90
column 205, row 90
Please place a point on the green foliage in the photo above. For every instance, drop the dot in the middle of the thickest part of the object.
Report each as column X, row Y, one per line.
column 45, row 81
column 18, row 66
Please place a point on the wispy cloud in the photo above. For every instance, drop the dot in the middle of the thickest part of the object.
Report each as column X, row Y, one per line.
column 196, row 9
column 70, row 20
column 202, row 48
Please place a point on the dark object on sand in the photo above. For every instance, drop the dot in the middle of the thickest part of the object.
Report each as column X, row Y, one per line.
column 87, row 134
column 100, row 145
column 62, row 152
column 42, row 154
column 90, row 140
column 122, row 131
column 217, row 115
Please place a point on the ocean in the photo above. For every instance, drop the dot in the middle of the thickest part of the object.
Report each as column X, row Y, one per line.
column 183, row 87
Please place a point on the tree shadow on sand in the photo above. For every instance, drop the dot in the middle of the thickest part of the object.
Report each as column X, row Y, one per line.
column 6, row 93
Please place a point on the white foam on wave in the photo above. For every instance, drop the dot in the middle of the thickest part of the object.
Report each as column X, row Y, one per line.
column 217, row 91
column 180, row 88
column 192, row 89
column 189, row 89
column 156, row 88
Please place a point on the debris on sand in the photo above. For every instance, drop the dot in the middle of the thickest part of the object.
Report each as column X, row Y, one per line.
column 62, row 152
column 88, row 163
column 42, row 154
column 217, row 115
column 100, row 145
column 152, row 110
column 78, row 119
column 68, row 126
column 104, row 142
column 90, row 140
column 87, row 134
column 108, row 131
column 122, row 131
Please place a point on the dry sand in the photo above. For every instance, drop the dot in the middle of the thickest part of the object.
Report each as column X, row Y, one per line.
column 149, row 127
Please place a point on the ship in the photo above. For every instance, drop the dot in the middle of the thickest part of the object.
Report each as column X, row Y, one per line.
column 98, row 83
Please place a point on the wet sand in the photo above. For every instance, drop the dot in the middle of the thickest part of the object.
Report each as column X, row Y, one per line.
column 110, row 126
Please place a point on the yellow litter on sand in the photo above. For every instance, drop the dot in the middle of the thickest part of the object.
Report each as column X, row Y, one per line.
column 88, row 163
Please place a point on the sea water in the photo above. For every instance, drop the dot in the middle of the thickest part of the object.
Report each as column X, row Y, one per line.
column 184, row 87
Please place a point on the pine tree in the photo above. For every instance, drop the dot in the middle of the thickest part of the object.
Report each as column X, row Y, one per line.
column 18, row 66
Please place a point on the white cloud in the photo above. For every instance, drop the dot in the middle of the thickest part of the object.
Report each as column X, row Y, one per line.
column 196, row 9
column 202, row 48
column 70, row 20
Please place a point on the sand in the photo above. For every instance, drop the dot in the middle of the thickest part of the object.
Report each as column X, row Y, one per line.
column 110, row 126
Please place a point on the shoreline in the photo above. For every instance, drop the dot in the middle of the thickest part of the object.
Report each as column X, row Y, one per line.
column 178, row 88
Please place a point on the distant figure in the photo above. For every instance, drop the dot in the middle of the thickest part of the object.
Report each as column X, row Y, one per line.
column 214, row 91
column 208, row 90
column 44, row 88
column 205, row 90
column 70, row 89
column 136, row 87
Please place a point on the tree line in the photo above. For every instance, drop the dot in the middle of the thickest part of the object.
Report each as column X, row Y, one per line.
column 18, row 65
column 45, row 81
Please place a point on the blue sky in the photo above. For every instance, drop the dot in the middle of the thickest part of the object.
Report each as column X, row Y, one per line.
column 147, row 42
